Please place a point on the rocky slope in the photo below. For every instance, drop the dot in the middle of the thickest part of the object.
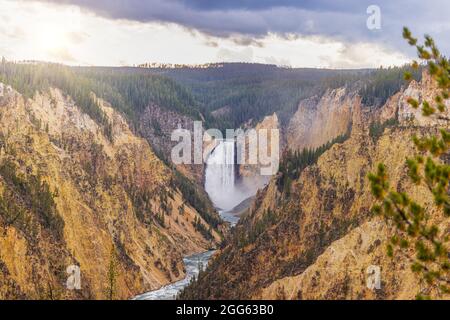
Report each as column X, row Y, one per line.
column 318, row 241
column 320, row 119
column 156, row 124
column 71, row 196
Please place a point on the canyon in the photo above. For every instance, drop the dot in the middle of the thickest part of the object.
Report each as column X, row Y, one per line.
column 86, row 180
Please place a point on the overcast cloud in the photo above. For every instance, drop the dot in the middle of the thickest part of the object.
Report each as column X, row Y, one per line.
column 341, row 19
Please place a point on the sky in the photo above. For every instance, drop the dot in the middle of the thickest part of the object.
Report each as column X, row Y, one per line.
column 296, row 33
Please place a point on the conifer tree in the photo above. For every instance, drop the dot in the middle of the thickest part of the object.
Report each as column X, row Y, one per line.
column 429, row 167
column 111, row 289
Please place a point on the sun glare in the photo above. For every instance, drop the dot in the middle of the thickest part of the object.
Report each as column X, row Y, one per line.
column 50, row 38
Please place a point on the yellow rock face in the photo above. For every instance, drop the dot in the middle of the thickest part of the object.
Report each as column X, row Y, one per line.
column 319, row 120
column 108, row 194
column 262, row 128
column 342, row 270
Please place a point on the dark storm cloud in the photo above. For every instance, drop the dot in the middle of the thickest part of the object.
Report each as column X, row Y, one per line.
column 321, row 5
column 342, row 19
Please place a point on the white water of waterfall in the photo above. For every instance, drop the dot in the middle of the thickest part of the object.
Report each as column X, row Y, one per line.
column 220, row 180
column 224, row 158
column 220, row 175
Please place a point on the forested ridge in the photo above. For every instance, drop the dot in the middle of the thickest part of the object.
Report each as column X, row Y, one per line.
column 128, row 92
column 253, row 91
column 246, row 92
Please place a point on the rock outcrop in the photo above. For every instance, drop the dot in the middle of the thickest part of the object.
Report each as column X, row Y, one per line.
column 318, row 120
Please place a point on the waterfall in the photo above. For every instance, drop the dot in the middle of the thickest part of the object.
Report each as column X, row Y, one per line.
column 224, row 190
column 221, row 166
column 220, row 174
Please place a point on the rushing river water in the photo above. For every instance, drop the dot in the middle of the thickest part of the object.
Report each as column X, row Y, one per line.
column 193, row 264
column 225, row 194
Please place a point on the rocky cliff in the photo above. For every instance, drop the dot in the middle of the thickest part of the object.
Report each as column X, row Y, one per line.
column 319, row 240
column 71, row 195
column 320, row 119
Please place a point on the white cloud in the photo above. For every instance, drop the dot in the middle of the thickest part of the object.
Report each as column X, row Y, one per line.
column 227, row 55
column 362, row 55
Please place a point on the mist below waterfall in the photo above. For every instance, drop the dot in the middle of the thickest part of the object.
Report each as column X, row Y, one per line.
column 224, row 190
